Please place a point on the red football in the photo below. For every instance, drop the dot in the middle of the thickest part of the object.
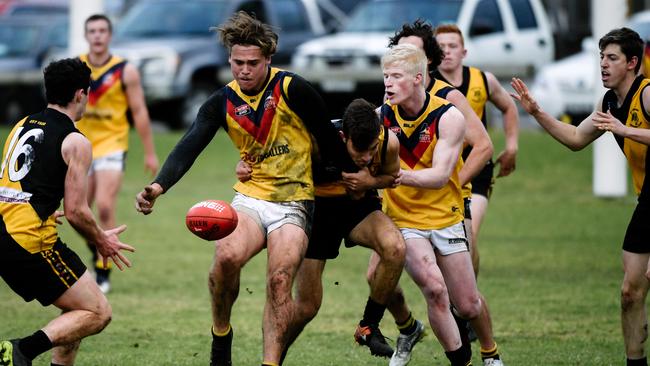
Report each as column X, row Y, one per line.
column 211, row 219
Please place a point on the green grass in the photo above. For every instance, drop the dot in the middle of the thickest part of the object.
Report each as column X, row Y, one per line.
column 550, row 269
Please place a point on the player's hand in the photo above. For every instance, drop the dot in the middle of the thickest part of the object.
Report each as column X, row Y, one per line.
column 398, row 178
column 57, row 216
column 523, row 96
column 145, row 200
column 243, row 171
column 360, row 181
column 607, row 122
column 151, row 164
column 507, row 163
column 111, row 247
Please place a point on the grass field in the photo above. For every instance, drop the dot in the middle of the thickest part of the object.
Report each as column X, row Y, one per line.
column 550, row 269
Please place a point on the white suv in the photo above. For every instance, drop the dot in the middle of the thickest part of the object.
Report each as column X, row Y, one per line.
column 506, row 37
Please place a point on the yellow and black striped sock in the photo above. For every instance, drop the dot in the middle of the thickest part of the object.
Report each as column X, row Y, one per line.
column 408, row 326
column 221, row 334
column 490, row 353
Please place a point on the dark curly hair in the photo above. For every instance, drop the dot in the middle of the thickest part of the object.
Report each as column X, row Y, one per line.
column 424, row 30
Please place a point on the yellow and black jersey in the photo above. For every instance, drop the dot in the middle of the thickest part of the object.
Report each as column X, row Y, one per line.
column 271, row 130
column 32, row 180
column 438, row 87
column 335, row 189
column 475, row 88
column 105, row 121
column 417, row 208
column 633, row 114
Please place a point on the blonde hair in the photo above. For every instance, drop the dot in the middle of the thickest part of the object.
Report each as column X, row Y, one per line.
column 243, row 29
column 411, row 58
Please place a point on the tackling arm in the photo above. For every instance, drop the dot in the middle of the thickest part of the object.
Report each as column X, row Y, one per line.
column 445, row 154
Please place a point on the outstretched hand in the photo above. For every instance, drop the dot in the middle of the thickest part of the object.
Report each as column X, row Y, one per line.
column 111, row 247
column 523, row 96
column 145, row 200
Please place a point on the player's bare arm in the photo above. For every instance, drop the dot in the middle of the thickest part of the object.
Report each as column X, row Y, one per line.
column 445, row 154
column 499, row 97
column 141, row 121
column 605, row 121
column 575, row 138
column 77, row 154
column 475, row 135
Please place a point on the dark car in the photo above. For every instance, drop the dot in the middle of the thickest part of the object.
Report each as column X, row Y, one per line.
column 179, row 58
column 24, row 42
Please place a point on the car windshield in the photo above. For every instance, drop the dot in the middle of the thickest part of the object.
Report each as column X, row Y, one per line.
column 166, row 18
column 18, row 39
column 373, row 16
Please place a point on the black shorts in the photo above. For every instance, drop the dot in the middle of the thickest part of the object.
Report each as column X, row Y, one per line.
column 43, row 276
column 334, row 219
column 482, row 184
column 637, row 236
column 467, row 203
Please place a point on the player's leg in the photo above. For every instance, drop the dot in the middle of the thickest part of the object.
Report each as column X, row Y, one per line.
column 231, row 254
column 85, row 311
column 376, row 231
column 479, row 206
column 309, row 297
column 634, row 289
column 108, row 172
column 422, row 268
column 56, row 276
column 633, row 310
column 286, row 248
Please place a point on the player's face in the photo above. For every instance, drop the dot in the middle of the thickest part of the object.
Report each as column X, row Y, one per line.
column 362, row 157
column 249, row 67
column 398, row 83
column 614, row 65
column 98, row 36
column 453, row 50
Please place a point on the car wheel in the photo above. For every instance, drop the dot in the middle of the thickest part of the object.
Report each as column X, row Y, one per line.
column 195, row 98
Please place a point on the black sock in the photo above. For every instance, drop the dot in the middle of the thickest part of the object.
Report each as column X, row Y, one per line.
column 461, row 356
column 639, row 362
column 408, row 326
column 34, row 344
column 462, row 325
column 373, row 313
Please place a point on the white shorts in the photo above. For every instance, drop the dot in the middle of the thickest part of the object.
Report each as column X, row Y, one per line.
column 271, row 215
column 449, row 240
column 114, row 161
